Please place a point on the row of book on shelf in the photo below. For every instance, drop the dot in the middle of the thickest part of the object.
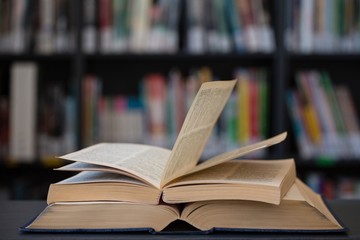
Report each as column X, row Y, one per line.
column 344, row 187
column 156, row 118
column 112, row 26
column 40, row 120
column 40, row 26
column 158, row 26
column 323, row 26
column 324, row 117
column 37, row 118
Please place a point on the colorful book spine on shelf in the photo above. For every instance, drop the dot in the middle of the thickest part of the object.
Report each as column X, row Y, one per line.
column 344, row 187
column 340, row 132
column 331, row 144
column 175, row 114
column 323, row 26
column 305, row 148
column 136, row 26
column 154, row 98
column 331, row 110
column 263, row 103
column 230, row 122
column 120, row 27
column 91, row 92
column 349, row 114
column 252, row 105
column 311, row 120
column 105, row 25
column 121, row 119
column 157, row 116
column 235, row 28
column 243, row 106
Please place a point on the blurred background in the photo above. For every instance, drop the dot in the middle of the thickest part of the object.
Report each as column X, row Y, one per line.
column 74, row 73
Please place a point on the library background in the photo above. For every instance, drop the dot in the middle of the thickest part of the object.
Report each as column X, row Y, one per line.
column 74, row 73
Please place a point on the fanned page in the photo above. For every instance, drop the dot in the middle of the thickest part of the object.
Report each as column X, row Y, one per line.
column 81, row 166
column 264, row 172
column 197, row 127
column 146, row 162
column 224, row 157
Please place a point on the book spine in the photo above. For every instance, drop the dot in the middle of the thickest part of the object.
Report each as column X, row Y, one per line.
column 4, row 127
column 243, row 106
column 91, row 92
column 45, row 39
column 155, row 96
column 105, row 25
column 310, row 116
column 120, row 28
column 139, row 24
column 302, row 139
column 263, row 104
column 89, row 31
column 23, row 110
column 321, row 104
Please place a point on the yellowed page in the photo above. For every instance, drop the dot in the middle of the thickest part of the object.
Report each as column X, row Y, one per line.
column 294, row 194
column 224, row 157
column 98, row 176
column 81, row 166
column 105, row 215
column 262, row 172
column 315, row 200
column 146, row 162
column 197, row 127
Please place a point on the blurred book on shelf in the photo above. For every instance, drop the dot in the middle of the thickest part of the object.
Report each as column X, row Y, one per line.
column 324, row 118
column 56, row 121
column 245, row 117
column 218, row 26
column 23, row 108
column 40, row 26
column 37, row 123
column 323, row 26
column 341, row 186
column 137, row 26
column 156, row 115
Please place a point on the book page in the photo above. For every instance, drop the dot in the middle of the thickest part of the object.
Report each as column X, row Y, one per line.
column 224, row 157
column 81, row 166
column 95, row 176
column 146, row 162
column 262, row 172
column 315, row 200
column 197, row 127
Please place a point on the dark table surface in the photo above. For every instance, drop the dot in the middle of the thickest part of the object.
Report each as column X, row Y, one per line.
column 14, row 214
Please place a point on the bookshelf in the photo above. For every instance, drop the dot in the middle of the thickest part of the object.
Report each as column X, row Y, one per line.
column 121, row 73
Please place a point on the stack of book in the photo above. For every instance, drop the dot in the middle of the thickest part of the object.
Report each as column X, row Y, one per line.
column 130, row 187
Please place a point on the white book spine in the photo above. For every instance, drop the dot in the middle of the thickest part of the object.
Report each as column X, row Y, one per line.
column 306, row 26
column 23, row 111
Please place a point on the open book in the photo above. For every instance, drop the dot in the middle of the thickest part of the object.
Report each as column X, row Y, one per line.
column 300, row 210
column 142, row 173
